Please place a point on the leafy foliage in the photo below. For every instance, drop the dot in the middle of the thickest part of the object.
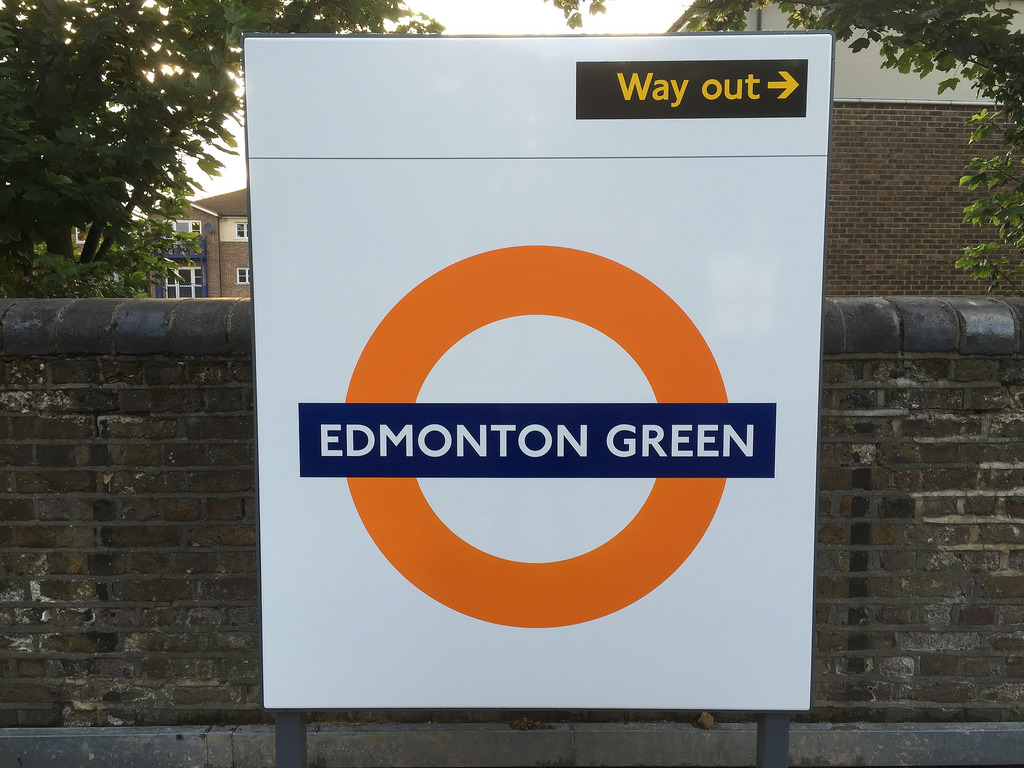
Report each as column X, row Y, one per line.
column 968, row 40
column 102, row 101
column 571, row 9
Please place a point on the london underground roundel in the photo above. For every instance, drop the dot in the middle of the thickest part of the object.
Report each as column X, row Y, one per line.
column 690, row 440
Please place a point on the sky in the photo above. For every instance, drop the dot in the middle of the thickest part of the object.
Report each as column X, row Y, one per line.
column 491, row 17
column 533, row 17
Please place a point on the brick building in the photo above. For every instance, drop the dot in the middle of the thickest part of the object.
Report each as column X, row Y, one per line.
column 227, row 242
column 223, row 268
column 895, row 205
column 899, row 148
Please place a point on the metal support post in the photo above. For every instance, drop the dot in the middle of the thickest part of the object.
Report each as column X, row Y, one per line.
column 290, row 739
column 773, row 740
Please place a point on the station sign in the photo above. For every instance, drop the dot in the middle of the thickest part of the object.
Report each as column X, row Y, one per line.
column 538, row 336
column 691, row 89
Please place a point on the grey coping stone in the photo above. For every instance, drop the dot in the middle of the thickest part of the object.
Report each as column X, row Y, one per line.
column 988, row 326
column 872, row 325
column 153, row 747
column 664, row 744
column 929, row 324
column 240, row 328
column 200, row 327
column 494, row 744
column 5, row 304
column 142, row 326
column 87, row 327
column 982, row 326
column 253, row 747
column 490, row 744
column 876, row 744
column 833, row 332
column 29, row 327
column 1016, row 305
column 218, row 741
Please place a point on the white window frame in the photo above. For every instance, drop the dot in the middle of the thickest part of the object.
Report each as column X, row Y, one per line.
column 242, row 230
column 188, row 226
column 189, row 284
column 243, row 276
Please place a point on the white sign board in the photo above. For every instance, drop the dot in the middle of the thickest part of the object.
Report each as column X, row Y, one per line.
column 538, row 361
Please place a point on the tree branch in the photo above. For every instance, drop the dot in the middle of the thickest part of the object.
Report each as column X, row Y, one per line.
column 91, row 241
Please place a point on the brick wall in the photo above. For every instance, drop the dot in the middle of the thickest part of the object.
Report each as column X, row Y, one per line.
column 896, row 204
column 921, row 553
column 127, row 535
column 224, row 257
column 127, row 562
column 232, row 256
column 212, row 273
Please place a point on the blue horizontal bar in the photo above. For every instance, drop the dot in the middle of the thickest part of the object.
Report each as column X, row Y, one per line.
column 537, row 440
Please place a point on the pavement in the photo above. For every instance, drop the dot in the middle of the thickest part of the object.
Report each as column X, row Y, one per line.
column 499, row 745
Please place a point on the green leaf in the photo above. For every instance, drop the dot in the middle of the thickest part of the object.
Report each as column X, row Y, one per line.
column 112, row 115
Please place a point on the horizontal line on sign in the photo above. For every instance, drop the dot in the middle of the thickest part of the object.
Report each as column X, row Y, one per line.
column 552, row 157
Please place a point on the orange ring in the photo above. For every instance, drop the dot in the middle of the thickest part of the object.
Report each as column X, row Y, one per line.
column 512, row 282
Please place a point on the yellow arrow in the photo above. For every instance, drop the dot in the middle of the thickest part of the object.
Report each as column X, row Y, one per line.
column 787, row 84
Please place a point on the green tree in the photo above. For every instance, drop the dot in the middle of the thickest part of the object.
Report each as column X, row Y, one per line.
column 968, row 40
column 572, row 12
column 102, row 102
